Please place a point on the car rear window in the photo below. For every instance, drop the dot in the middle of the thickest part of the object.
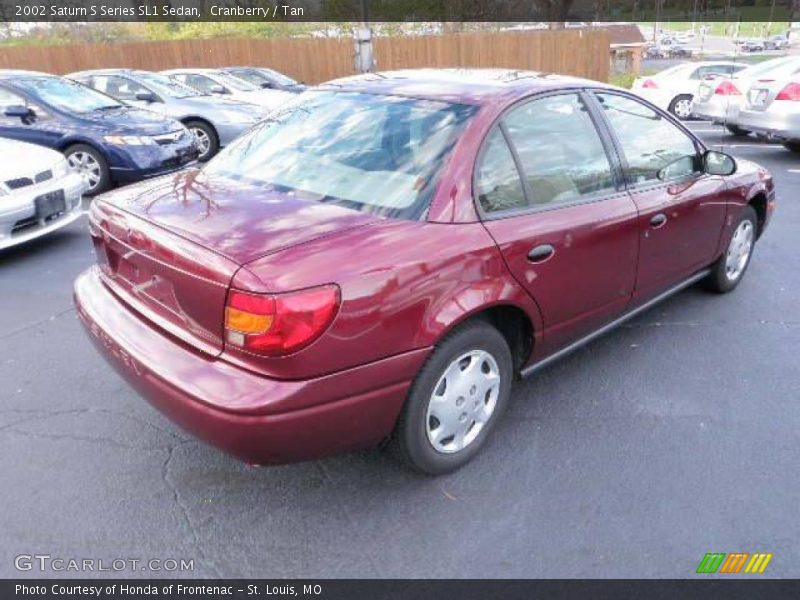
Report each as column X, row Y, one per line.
column 372, row 153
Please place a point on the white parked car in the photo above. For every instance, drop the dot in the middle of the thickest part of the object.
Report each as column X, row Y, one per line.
column 772, row 108
column 673, row 89
column 215, row 81
column 38, row 192
column 719, row 99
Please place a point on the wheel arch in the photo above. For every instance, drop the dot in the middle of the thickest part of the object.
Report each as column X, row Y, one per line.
column 196, row 118
column 517, row 318
column 759, row 202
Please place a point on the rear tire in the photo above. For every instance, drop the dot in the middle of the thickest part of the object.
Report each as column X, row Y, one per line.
column 89, row 163
column 681, row 107
column 456, row 399
column 730, row 268
column 206, row 137
column 793, row 145
column 736, row 130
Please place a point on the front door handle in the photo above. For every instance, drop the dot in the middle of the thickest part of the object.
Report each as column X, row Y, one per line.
column 658, row 220
column 541, row 253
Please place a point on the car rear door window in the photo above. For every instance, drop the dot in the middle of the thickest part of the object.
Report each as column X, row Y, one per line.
column 561, row 155
column 499, row 187
column 651, row 143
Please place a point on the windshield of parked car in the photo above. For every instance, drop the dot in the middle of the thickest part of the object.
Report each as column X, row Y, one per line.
column 262, row 76
column 67, row 94
column 784, row 65
column 375, row 154
column 235, row 82
column 164, row 86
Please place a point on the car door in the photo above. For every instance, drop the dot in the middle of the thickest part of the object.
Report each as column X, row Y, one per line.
column 549, row 195
column 39, row 128
column 682, row 210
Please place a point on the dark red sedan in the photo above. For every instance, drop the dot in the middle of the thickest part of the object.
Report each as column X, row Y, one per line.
column 381, row 258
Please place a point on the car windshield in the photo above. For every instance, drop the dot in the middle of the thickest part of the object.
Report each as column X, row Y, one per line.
column 375, row 154
column 777, row 65
column 164, row 86
column 235, row 82
column 279, row 77
column 67, row 95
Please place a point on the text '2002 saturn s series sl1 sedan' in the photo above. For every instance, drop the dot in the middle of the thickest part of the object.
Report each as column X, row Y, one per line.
column 382, row 256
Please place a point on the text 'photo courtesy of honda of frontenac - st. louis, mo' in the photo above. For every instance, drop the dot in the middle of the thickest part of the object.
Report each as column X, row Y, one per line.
column 385, row 254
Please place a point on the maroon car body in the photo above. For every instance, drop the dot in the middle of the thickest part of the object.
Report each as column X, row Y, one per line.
column 170, row 252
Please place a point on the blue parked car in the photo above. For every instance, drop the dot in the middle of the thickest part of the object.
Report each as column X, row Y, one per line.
column 103, row 139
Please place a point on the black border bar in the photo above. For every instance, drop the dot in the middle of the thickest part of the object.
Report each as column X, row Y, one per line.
column 511, row 11
column 415, row 589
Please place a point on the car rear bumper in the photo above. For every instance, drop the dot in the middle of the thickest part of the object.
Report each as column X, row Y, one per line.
column 245, row 414
column 715, row 110
column 781, row 124
column 18, row 222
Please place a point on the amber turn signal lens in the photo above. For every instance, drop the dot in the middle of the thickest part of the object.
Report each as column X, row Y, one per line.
column 245, row 322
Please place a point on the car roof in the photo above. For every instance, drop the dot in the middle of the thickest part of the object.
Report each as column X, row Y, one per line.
column 107, row 72
column 192, row 70
column 466, row 86
column 14, row 73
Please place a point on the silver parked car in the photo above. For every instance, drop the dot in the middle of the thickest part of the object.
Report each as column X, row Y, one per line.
column 266, row 78
column 214, row 81
column 719, row 98
column 39, row 193
column 772, row 107
column 215, row 122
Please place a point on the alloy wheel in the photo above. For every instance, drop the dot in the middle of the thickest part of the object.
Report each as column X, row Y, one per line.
column 463, row 401
column 87, row 166
column 739, row 250
column 203, row 140
column 683, row 108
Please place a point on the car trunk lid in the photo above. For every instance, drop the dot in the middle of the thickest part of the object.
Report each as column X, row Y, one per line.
column 170, row 248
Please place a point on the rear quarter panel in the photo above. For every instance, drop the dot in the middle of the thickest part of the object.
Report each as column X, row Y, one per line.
column 403, row 286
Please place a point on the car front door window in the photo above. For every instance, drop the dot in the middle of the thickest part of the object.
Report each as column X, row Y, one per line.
column 654, row 147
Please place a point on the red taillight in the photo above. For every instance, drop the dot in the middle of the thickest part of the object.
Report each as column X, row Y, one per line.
column 649, row 84
column 279, row 323
column 726, row 88
column 790, row 92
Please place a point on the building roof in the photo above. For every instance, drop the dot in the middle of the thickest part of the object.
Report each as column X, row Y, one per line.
column 623, row 34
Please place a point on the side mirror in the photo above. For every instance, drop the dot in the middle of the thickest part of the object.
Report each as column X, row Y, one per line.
column 218, row 89
column 266, row 85
column 718, row 163
column 19, row 111
column 146, row 96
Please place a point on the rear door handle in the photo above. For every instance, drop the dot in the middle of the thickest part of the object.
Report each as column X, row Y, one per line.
column 658, row 220
column 541, row 253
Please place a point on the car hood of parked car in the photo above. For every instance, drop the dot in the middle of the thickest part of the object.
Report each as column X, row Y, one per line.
column 240, row 221
column 22, row 160
column 131, row 120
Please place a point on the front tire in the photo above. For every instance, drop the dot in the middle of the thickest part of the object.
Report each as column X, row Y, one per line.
column 730, row 268
column 456, row 400
column 681, row 107
column 91, row 165
column 736, row 130
column 206, row 138
column 793, row 145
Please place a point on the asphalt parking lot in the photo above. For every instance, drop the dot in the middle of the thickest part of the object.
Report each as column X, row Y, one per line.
column 676, row 435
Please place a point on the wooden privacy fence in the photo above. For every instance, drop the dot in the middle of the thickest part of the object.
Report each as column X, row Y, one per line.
column 583, row 53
